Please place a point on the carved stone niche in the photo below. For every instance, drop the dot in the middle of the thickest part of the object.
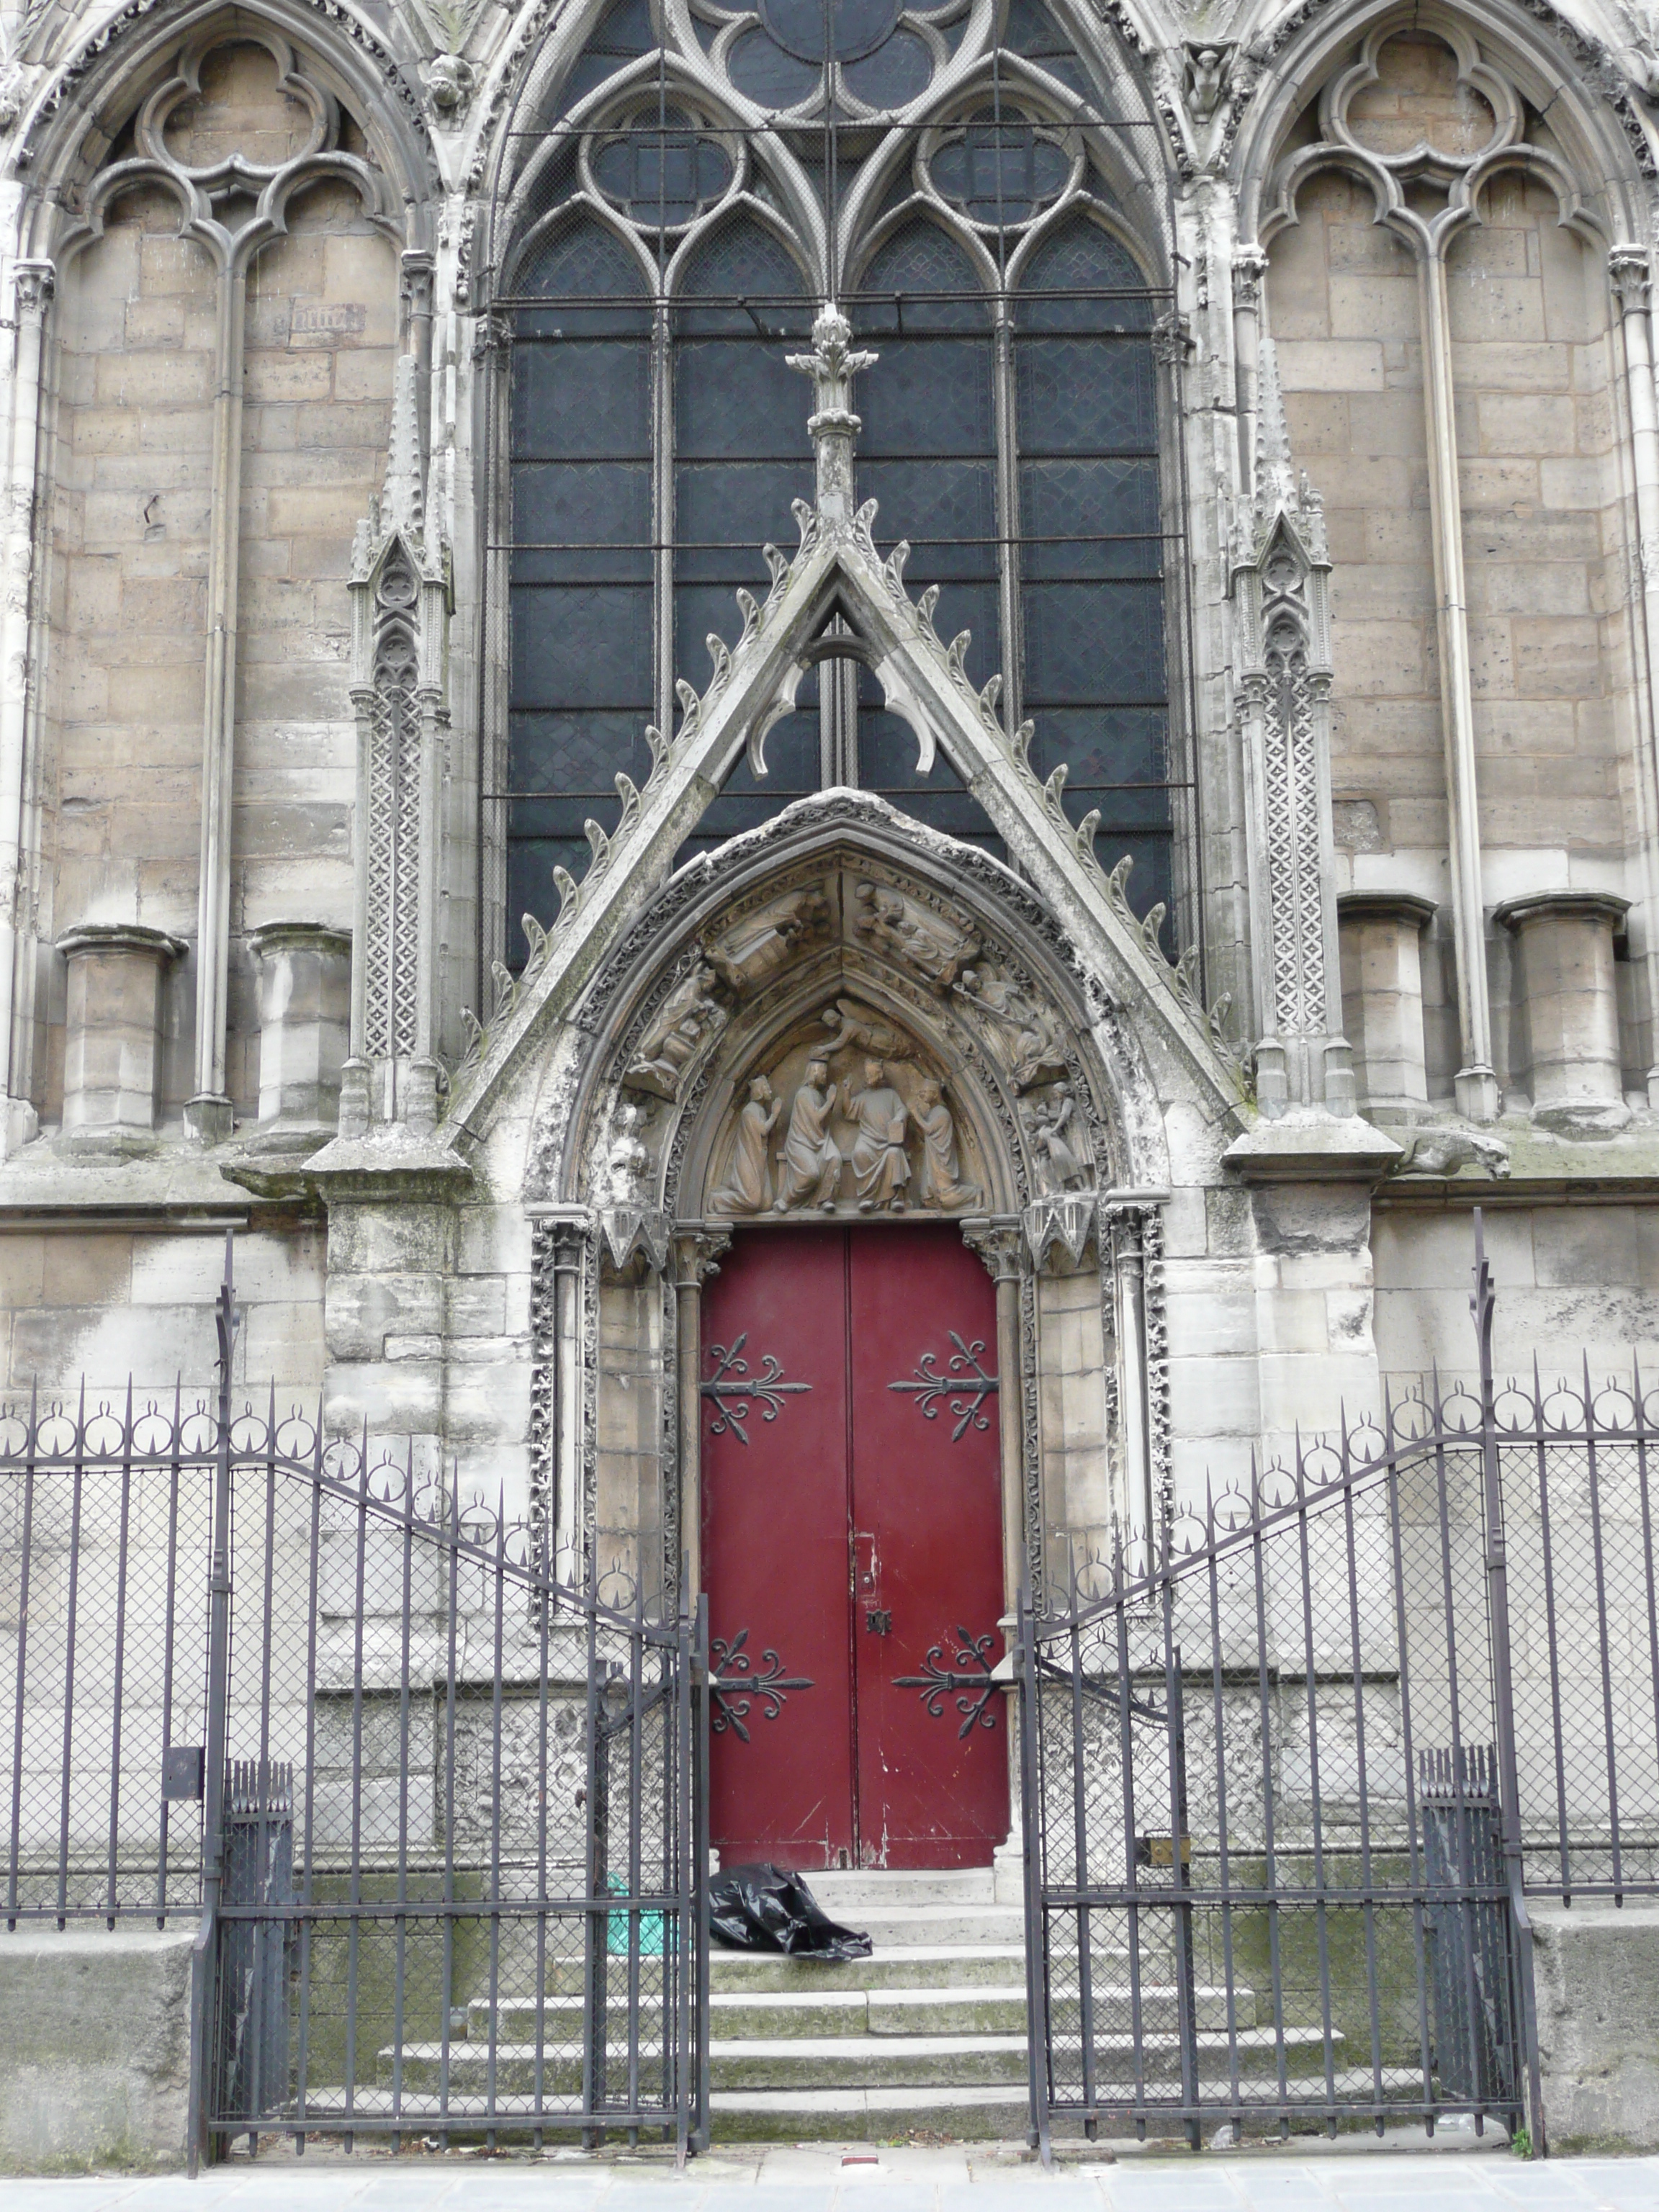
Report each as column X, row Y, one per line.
column 847, row 1114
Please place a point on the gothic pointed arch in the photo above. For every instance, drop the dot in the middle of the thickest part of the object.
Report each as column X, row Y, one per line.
column 939, row 174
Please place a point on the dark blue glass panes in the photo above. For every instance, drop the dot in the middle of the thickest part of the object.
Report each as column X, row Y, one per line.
column 662, row 172
column 578, row 755
column 760, row 68
column 586, row 644
column 583, row 679
column 1000, row 172
column 583, row 263
column 893, row 76
column 1085, row 394
column 1093, row 641
column 1030, row 30
column 626, row 32
column 1092, row 614
column 1126, row 746
column 840, row 30
column 581, row 398
column 742, row 455
column 1086, row 517
column 581, row 522
column 1082, row 279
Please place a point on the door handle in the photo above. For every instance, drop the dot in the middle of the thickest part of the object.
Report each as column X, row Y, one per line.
column 865, row 1564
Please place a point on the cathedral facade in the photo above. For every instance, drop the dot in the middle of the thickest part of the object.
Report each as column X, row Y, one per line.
column 839, row 736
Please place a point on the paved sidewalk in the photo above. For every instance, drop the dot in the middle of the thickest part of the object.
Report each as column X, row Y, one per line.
column 1412, row 2178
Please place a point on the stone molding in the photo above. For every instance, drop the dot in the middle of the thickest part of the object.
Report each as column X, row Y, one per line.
column 1562, row 906
column 134, row 937
column 1404, row 906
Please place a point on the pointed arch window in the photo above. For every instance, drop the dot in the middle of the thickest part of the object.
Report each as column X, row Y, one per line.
column 669, row 217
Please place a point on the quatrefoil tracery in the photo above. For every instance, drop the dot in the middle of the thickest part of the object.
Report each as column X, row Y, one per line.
column 210, row 194
column 1461, row 173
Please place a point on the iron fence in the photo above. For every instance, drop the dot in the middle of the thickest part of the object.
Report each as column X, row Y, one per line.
column 435, row 1812
column 1289, row 1785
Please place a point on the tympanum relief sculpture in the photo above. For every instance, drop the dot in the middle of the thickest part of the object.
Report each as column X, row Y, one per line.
column 905, row 1025
column 870, row 1127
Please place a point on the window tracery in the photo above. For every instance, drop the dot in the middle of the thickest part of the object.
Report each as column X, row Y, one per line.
column 667, row 221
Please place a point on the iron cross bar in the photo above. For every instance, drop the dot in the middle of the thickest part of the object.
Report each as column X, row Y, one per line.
column 967, row 1379
column 733, row 1685
column 733, row 1388
column 937, row 1680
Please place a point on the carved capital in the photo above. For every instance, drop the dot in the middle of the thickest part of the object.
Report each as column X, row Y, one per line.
column 1630, row 271
column 35, row 283
column 1172, row 340
column 998, row 1245
column 492, row 334
column 697, row 1254
column 415, row 284
column 1249, row 269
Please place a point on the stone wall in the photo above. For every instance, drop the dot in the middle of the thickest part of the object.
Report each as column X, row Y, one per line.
column 1544, row 527
column 1596, row 1967
column 131, row 520
column 125, row 1303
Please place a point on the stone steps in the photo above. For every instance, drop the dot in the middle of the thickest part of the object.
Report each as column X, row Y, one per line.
column 927, row 2033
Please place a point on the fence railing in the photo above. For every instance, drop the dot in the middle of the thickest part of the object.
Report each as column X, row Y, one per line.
column 435, row 1812
column 1290, row 1786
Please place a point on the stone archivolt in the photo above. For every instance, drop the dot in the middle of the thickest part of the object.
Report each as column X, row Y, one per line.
column 851, row 1044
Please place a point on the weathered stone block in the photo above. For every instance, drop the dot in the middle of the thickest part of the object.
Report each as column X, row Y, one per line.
column 1596, row 1967
column 94, row 2047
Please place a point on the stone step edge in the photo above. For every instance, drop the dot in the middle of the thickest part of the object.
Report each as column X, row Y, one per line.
column 903, row 2048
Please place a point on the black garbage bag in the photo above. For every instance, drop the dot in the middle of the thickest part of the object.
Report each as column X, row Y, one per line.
column 765, row 1908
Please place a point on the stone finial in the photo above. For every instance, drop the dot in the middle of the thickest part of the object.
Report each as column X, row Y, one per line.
column 832, row 426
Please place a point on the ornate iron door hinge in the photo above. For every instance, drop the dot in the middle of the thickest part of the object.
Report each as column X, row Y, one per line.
column 970, row 1675
column 968, row 1385
column 733, row 1685
column 734, row 1390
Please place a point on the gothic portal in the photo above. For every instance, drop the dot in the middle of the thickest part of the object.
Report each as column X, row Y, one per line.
column 843, row 767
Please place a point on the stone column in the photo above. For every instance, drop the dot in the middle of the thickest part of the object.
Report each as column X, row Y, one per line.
column 1565, row 945
column 33, row 283
column 1382, row 934
column 305, row 1016
column 112, row 1049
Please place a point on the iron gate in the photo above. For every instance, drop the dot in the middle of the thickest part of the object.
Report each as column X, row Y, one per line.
column 1289, row 1785
column 436, row 1814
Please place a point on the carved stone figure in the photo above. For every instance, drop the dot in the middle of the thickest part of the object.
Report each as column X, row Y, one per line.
column 628, row 1161
column 449, row 82
column 810, row 1168
column 1028, row 1035
column 748, row 1189
column 764, row 943
column 941, row 1179
column 880, row 1167
column 1204, row 79
column 927, row 948
column 854, row 1024
column 689, row 1014
column 1055, row 1128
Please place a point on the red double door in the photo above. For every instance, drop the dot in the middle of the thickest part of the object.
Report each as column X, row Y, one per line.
column 851, row 1550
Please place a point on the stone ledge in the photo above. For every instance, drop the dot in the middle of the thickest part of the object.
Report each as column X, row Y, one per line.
column 1307, row 1146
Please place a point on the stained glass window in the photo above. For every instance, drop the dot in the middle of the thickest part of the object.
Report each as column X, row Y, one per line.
column 676, row 214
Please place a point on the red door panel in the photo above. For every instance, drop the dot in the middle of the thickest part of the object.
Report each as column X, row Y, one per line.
column 774, row 1503
column 933, row 1762
column 852, row 1549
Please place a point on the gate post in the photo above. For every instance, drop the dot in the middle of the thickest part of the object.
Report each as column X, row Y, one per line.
column 1036, row 1961
column 204, row 1960
column 1482, row 1305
